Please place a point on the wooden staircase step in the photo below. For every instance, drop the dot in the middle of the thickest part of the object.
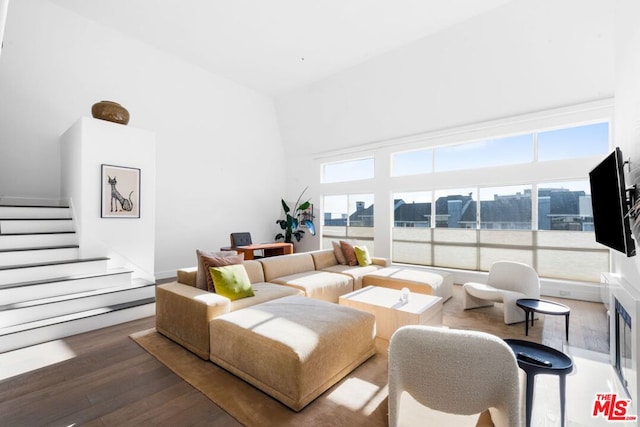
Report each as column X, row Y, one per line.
column 22, row 202
column 78, row 295
column 40, row 248
column 34, row 212
column 44, row 270
column 37, row 233
column 45, row 254
column 65, row 278
column 44, row 264
column 35, row 225
column 60, row 305
column 13, row 293
column 22, row 240
column 32, row 333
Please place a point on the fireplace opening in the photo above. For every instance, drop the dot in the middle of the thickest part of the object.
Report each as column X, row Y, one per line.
column 623, row 354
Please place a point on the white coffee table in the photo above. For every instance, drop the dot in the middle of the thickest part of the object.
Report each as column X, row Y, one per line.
column 391, row 313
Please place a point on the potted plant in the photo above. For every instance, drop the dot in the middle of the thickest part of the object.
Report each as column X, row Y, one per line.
column 290, row 223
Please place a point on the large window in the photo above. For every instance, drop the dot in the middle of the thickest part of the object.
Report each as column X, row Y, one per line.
column 482, row 154
column 348, row 217
column 506, row 208
column 411, row 162
column 468, row 197
column 573, row 142
column 351, row 170
column 470, row 228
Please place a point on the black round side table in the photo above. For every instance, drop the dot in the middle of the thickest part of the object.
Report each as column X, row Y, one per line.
column 532, row 306
column 536, row 359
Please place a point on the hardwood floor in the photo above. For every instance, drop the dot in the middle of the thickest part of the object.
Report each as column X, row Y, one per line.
column 112, row 381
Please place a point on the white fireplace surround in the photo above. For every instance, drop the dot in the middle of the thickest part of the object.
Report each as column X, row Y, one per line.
column 629, row 297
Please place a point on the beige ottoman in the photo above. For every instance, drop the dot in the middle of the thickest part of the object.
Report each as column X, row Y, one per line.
column 435, row 283
column 292, row 348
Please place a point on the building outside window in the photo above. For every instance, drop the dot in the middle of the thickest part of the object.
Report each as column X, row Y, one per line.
column 348, row 217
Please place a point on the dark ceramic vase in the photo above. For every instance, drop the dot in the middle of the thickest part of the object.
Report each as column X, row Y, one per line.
column 110, row 111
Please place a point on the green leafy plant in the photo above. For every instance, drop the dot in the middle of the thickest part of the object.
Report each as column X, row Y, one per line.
column 290, row 223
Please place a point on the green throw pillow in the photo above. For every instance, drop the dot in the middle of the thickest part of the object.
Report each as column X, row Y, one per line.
column 362, row 254
column 231, row 281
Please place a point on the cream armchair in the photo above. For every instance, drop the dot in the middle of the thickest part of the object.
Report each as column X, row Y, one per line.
column 508, row 281
column 435, row 373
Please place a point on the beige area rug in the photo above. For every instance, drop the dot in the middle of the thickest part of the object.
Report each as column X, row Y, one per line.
column 359, row 399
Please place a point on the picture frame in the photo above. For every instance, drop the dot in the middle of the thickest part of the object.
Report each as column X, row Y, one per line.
column 306, row 214
column 120, row 195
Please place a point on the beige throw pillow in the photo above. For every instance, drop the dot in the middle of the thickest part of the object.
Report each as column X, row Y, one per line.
column 337, row 251
column 202, row 273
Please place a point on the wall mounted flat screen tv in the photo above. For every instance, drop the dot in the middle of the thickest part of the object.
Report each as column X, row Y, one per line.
column 610, row 204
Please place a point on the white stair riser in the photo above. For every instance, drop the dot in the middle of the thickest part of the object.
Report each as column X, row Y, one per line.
column 19, row 275
column 61, row 330
column 27, row 212
column 46, row 311
column 30, row 257
column 38, row 241
column 47, row 290
column 35, row 226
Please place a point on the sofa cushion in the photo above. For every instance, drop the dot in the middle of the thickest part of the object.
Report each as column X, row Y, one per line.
column 349, row 252
column 254, row 271
column 202, row 273
column 355, row 272
column 216, row 261
column 322, row 285
column 231, row 281
column 263, row 292
column 187, row 276
column 323, row 258
column 337, row 250
column 286, row 265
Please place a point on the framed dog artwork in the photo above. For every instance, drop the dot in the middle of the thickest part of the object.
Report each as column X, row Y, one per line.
column 120, row 192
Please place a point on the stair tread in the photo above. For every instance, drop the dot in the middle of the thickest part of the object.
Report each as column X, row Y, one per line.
column 36, row 219
column 111, row 272
column 21, row 202
column 49, row 263
column 37, row 233
column 73, row 316
column 76, row 295
column 40, row 248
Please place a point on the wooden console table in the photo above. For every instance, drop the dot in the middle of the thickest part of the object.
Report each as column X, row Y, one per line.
column 270, row 249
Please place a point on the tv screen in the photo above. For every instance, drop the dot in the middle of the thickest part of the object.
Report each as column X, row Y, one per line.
column 610, row 207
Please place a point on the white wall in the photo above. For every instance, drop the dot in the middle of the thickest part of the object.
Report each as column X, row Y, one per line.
column 627, row 117
column 85, row 147
column 220, row 161
column 519, row 58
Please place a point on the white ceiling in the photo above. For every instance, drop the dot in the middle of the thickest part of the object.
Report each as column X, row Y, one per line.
column 274, row 46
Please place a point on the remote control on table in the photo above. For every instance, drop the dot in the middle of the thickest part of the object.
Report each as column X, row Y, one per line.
column 532, row 359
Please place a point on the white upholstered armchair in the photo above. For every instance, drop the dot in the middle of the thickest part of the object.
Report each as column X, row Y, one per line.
column 435, row 373
column 508, row 281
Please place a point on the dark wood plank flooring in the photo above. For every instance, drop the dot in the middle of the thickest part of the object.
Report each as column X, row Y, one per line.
column 114, row 382
column 111, row 382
